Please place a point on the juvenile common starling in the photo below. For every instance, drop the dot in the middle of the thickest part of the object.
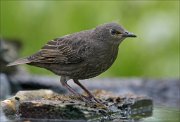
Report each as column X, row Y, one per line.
column 80, row 55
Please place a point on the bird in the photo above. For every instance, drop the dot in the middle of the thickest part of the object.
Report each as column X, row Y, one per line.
column 81, row 55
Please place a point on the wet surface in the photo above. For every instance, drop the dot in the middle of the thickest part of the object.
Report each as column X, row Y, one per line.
column 160, row 114
column 164, row 114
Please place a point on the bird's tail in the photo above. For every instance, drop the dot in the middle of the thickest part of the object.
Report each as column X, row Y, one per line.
column 19, row 61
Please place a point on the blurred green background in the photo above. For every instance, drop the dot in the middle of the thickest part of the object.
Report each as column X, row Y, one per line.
column 155, row 53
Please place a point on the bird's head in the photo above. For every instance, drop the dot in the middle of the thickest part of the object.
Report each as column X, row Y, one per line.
column 112, row 33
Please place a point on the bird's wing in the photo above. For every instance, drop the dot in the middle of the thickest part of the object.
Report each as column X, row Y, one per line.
column 59, row 50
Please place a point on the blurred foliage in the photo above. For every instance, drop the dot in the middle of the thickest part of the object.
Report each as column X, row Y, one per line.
column 155, row 53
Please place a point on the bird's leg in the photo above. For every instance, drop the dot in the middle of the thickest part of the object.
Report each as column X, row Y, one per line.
column 84, row 88
column 64, row 83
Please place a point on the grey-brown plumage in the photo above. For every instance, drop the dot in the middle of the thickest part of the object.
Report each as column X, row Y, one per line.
column 81, row 55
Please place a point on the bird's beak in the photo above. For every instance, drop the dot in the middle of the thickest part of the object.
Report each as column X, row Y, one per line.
column 128, row 34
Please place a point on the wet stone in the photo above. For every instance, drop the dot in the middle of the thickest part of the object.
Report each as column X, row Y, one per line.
column 45, row 104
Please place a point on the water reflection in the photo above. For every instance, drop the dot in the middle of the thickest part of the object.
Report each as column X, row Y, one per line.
column 164, row 114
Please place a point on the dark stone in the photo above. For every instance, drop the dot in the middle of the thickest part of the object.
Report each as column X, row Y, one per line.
column 8, row 53
column 45, row 104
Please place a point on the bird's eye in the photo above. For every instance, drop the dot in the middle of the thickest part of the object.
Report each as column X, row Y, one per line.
column 114, row 32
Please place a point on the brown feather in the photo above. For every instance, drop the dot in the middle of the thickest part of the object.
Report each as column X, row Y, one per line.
column 56, row 51
column 19, row 61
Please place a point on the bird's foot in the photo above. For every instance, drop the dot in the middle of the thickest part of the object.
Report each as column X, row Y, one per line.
column 94, row 102
column 93, row 99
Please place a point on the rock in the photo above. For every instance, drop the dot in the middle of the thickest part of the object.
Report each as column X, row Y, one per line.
column 45, row 104
column 10, row 106
column 8, row 53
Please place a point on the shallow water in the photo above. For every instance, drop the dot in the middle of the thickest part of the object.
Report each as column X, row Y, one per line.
column 164, row 114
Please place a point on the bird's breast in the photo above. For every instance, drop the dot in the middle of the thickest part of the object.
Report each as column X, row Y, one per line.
column 100, row 62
